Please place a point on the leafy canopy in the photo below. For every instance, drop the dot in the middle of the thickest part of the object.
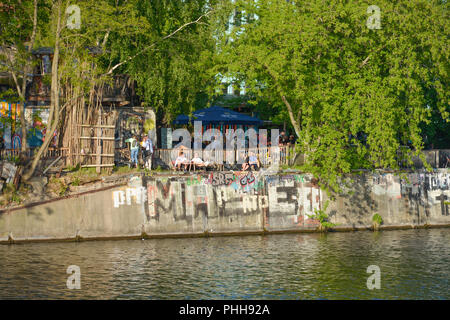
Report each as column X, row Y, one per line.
column 354, row 95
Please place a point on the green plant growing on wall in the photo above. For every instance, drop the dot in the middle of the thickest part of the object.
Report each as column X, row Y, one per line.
column 322, row 217
column 377, row 220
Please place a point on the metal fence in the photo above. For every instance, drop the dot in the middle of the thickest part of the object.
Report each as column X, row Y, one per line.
column 52, row 153
column 435, row 158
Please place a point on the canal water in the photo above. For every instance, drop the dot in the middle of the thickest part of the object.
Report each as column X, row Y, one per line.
column 414, row 264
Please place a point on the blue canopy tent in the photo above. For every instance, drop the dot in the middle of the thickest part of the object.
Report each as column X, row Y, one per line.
column 218, row 116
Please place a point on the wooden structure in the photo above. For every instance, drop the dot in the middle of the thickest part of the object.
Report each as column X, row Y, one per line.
column 95, row 145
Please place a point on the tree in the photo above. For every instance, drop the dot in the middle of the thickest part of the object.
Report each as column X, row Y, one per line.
column 53, row 119
column 339, row 79
column 115, row 37
column 171, row 59
column 19, row 21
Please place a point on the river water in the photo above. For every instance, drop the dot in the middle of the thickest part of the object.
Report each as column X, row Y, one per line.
column 414, row 264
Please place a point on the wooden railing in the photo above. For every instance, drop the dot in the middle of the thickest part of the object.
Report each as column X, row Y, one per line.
column 266, row 155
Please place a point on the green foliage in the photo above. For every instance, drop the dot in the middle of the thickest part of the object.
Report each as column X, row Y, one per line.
column 73, row 168
column 149, row 124
column 62, row 189
column 124, row 169
column 9, row 96
column 353, row 95
column 322, row 217
column 11, row 194
column 13, row 159
column 377, row 219
column 76, row 181
column 171, row 75
column 356, row 94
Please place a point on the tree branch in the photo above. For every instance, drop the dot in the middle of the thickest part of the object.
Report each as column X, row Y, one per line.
column 153, row 44
column 286, row 102
column 13, row 73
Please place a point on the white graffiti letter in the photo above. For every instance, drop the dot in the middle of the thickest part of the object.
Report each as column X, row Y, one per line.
column 250, row 203
column 374, row 21
column 374, row 281
column 73, row 281
column 118, row 198
column 74, row 20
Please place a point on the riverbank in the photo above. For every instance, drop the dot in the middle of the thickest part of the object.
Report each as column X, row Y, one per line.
column 136, row 206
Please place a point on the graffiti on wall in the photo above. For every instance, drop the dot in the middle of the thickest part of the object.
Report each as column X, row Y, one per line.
column 221, row 195
column 419, row 189
column 427, row 188
column 279, row 201
column 128, row 196
column 386, row 184
column 10, row 124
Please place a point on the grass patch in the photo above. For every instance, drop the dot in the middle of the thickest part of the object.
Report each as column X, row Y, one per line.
column 293, row 167
column 125, row 169
column 11, row 194
column 58, row 186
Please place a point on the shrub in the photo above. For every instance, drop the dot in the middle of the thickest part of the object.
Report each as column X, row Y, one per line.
column 377, row 221
column 319, row 214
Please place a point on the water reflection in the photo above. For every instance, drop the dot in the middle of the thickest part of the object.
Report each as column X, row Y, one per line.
column 414, row 265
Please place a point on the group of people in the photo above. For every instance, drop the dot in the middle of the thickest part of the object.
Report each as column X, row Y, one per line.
column 146, row 145
column 285, row 140
column 251, row 162
column 196, row 161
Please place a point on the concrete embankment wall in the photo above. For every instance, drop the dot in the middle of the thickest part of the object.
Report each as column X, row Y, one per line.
column 224, row 203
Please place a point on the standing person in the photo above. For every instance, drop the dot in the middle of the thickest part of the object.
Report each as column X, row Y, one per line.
column 283, row 140
column 292, row 140
column 148, row 152
column 134, row 150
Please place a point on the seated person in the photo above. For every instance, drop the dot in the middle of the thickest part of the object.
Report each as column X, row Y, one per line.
column 180, row 161
column 253, row 161
column 198, row 162
column 246, row 165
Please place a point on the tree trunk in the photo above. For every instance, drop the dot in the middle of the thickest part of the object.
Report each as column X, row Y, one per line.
column 27, row 69
column 283, row 97
column 53, row 119
column 291, row 116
